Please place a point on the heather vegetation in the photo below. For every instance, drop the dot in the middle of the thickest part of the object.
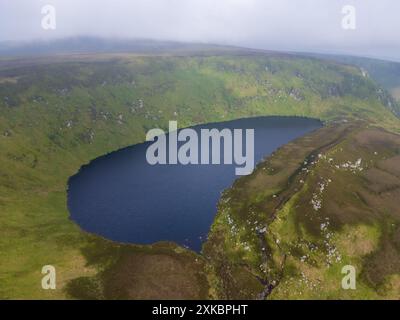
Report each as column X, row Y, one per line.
column 57, row 114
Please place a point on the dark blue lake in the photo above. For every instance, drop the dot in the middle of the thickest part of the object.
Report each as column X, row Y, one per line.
column 123, row 198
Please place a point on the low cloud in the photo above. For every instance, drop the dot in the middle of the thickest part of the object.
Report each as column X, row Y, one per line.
column 295, row 25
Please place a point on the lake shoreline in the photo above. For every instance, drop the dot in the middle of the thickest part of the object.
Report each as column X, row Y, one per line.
column 189, row 242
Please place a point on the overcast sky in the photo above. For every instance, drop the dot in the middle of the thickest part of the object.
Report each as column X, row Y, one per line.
column 295, row 25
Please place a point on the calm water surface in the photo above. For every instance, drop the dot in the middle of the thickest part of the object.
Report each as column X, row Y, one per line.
column 123, row 198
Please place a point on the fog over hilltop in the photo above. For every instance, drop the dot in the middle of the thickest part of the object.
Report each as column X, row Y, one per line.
column 284, row 25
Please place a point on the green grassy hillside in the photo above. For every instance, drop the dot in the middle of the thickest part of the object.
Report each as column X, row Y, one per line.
column 386, row 73
column 57, row 114
column 316, row 205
